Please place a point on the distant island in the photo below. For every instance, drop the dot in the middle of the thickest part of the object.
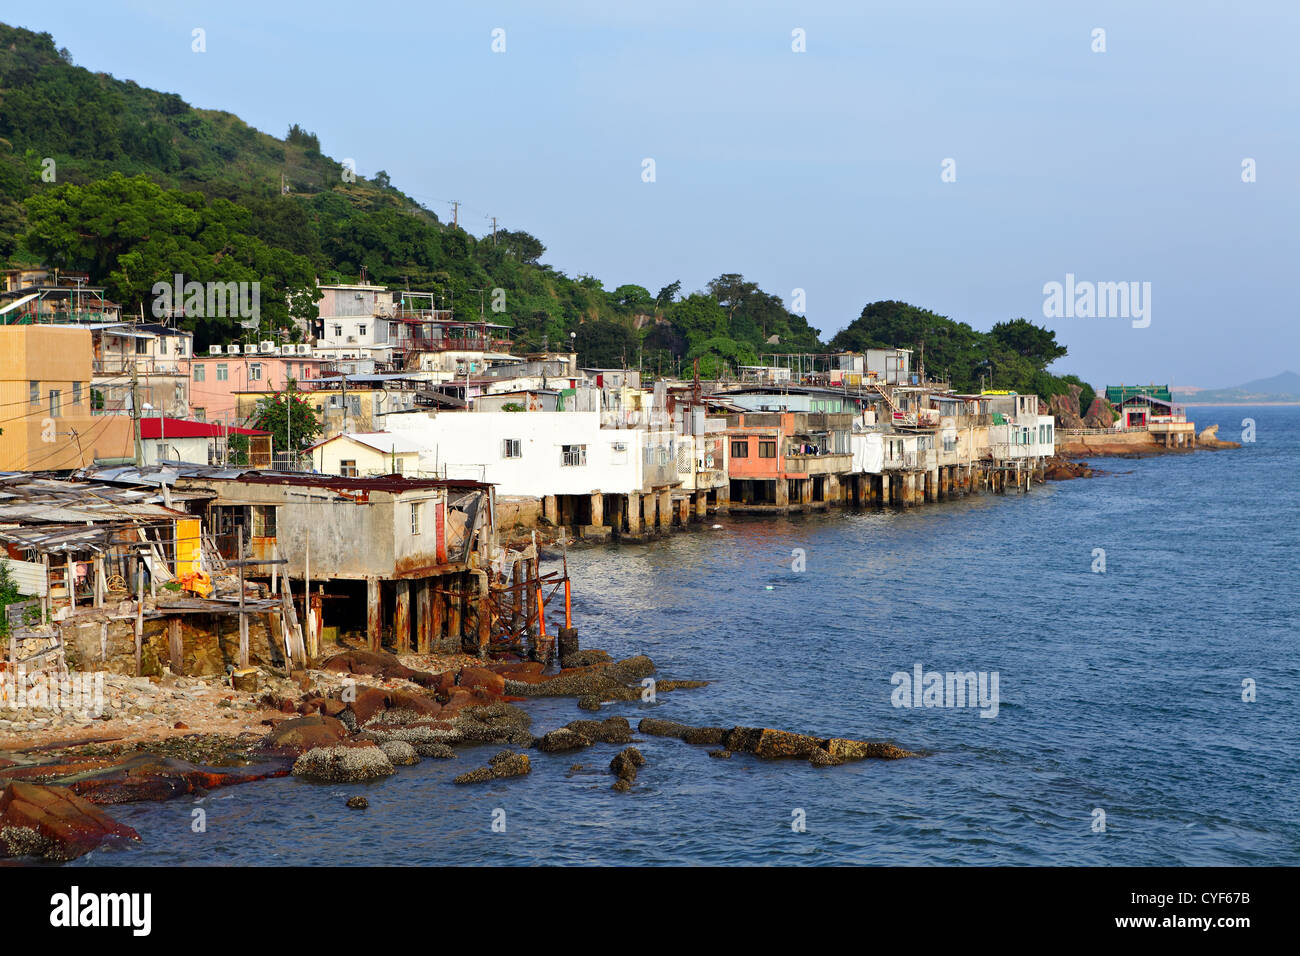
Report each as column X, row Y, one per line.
column 1280, row 389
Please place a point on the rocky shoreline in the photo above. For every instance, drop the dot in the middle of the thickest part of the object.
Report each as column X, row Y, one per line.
column 359, row 717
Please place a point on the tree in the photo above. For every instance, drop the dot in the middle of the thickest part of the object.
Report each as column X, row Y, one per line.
column 1037, row 344
column 668, row 294
column 291, row 421
column 604, row 344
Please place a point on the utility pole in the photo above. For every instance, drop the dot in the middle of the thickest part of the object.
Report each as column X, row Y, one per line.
column 494, row 228
column 455, row 212
column 135, row 416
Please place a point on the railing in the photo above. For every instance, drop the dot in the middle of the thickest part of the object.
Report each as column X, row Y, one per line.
column 145, row 365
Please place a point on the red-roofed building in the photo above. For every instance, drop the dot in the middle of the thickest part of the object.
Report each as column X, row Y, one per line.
column 201, row 443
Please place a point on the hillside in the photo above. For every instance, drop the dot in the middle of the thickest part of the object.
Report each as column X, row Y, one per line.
column 1281, row 388
column 146, row 186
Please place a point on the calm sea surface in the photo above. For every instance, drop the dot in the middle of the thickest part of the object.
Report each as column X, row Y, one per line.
column 1119, row 691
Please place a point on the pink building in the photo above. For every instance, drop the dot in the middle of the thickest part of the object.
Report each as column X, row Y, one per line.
column 214, row 380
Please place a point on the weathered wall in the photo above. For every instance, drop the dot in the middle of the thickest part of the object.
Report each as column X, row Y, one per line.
column 209, row 643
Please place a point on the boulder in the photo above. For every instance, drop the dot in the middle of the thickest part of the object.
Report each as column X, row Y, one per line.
column 483, row 679
column 54, row 823
column 656, row 727
column 346, row 762
column 358, row 803
column 624, row 766
column 294, row 737
column 399, row 753
column 376, row 664
column 564, row 739
column 504, row 764
column 611, row 730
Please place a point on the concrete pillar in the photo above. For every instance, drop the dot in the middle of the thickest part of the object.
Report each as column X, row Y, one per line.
column 722, row 499
column 701, row 505
column 597, row 510
column 634, row 512
column 374, row 614
column 833, row 493
column 782, row 493
column 884, row 489
column 549, row 509
column 684, row 511
column 665, row 510
column 402, row 617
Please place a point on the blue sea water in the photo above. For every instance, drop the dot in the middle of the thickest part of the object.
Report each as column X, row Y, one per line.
column 1119, row 691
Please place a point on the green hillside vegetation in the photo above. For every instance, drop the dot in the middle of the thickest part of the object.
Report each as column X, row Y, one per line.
column 146, row 186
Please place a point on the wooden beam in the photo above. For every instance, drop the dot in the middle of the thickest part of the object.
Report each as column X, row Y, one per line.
column 423, row 616
column 374, row 614
column 402, row 617
column 174, row 645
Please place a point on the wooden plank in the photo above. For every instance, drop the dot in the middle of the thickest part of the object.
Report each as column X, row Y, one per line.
column 139, row 622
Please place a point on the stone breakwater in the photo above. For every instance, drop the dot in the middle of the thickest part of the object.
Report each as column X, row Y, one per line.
column 358, row 718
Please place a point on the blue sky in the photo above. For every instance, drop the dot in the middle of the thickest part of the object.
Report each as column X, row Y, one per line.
column 818, row 170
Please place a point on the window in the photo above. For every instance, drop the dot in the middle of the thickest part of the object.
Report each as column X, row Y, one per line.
column 767, row 449
column 338, row 331
column 56, row 403
column 263, row 521
column 361, row 329
column 348, row 467
column 399, row 465
column 198, row 373
column 141, row 346
column 34, row 392
column 510, row 448
column 76, row 393
column 223, row 372
column 573, row 455
column 255, row 372
column 415, row 517
column 740, row 448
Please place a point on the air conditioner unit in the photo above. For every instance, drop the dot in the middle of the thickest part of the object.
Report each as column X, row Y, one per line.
column 304, row 349
column 352, row 339
column 214, row 349
column 266, row 347
column 232, row 349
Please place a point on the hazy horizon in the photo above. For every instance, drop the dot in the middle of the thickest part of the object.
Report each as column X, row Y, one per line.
column 816, row 170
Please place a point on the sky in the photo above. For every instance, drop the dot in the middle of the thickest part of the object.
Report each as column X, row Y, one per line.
column 959, row 156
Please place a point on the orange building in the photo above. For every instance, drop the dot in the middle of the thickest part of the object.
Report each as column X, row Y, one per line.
column 47, row 422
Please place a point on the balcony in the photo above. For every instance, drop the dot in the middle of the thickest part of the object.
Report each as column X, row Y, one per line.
column 829, row 464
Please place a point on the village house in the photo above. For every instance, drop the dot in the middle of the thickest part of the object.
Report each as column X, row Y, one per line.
column 1151, row 408
column 202, row 443
column 48, row 421
column 218, row 380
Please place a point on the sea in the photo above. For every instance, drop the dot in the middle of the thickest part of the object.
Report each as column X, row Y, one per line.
column 1140, row 630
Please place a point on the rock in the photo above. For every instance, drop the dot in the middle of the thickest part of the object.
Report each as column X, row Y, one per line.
column 704, row 735
column 358, row 803
column 622, row 785
column 346, row 762
column 400, row 753
column 586, row 658
column 437, row 751
column 180, row 725
column 376, row 664
column 244, row 679
column 504, row 764
column 820, row 758
column 1101, row 414
column 1209, row 438
column 484, row 679
column 139, row 776
column 720, row 754
column 625, row 765
column 589, row 702
column 53, row 823
column 632, row 669
column 611, row 730
column 842, row 749
column 656, row 727
column 558, row 741
column 294, row 737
